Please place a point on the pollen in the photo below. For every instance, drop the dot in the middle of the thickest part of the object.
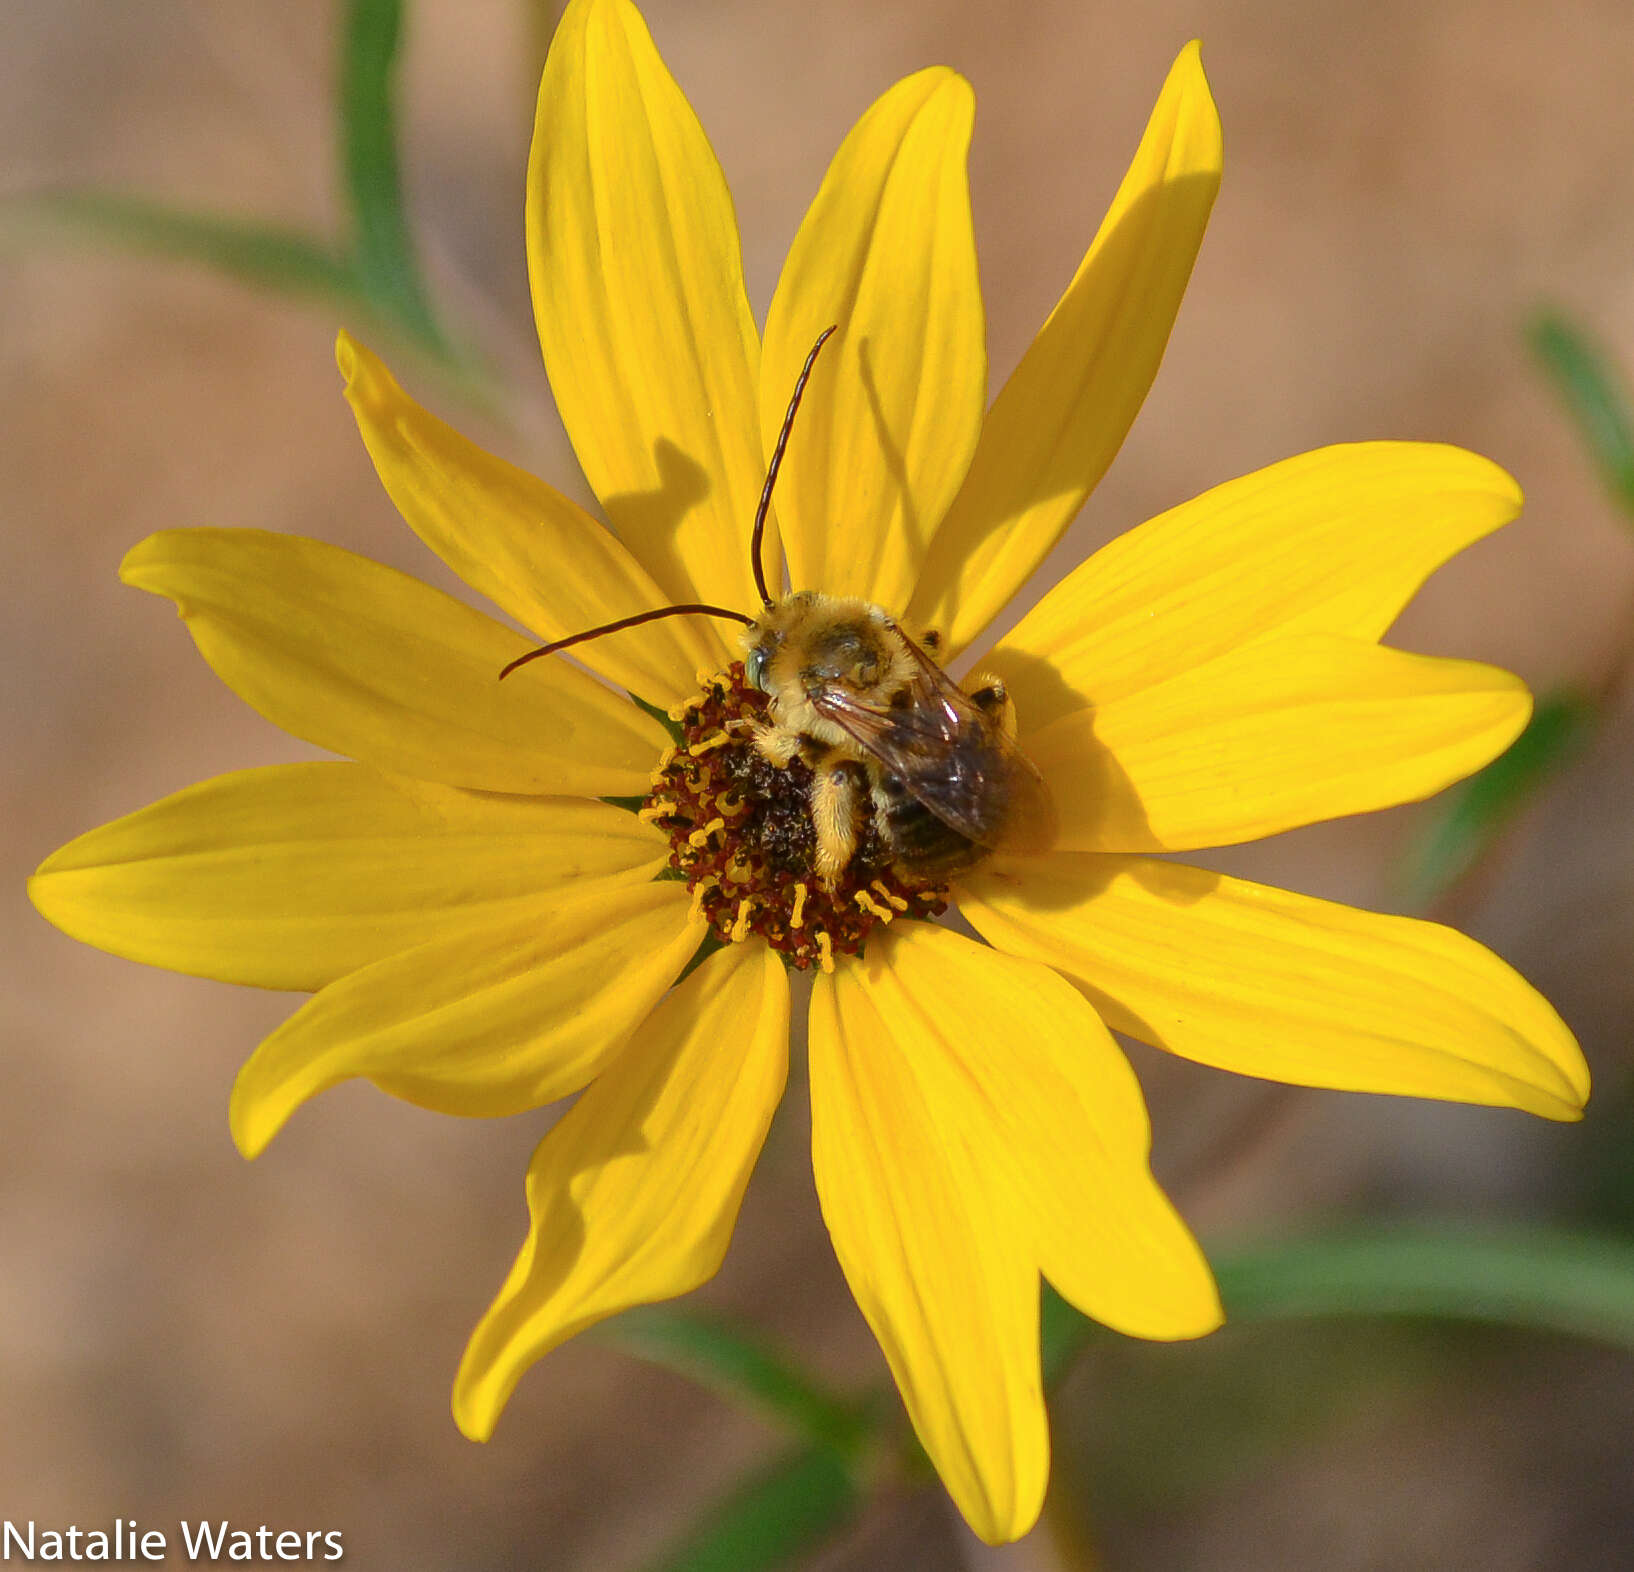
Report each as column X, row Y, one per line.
column 878, row 886
column 741, row 836
column 869, row 904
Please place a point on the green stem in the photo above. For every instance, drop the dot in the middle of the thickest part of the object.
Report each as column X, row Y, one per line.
column 383, row 247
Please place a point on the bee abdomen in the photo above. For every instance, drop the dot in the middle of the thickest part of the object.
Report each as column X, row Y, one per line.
column 920, row 842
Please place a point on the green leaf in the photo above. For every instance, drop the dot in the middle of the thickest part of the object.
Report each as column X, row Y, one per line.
column 676, row 731
column 774, row 1517
column 1469, row 817
column 382, row 244
column 1596, row 397
column 1065, row 1335
column 744, row 1370
column 265, row 255
column 1524, row 1277
column 707, row 946
column 1537, row 1278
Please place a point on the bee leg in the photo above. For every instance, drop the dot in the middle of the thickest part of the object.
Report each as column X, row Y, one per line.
column 992, row 698
column 834, row 803
column 778, row 744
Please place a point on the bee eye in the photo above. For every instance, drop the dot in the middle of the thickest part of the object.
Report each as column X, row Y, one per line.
column 755, row 667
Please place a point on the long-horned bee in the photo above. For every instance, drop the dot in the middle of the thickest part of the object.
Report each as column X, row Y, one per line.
column 884, row 730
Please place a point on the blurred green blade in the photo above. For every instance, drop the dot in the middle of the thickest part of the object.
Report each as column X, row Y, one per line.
column 1527, row 1277
column 1596, row 397
column 1065, row 1335
column 264, row 255
column 744, row 1371
column 1537, row 1278
column 1471, row 814
column 770, row 1519
column 384, row 247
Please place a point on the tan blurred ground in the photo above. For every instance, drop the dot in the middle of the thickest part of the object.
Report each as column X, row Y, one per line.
column 184, row 1335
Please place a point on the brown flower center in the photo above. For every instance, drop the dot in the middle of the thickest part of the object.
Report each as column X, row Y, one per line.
column 741, row 836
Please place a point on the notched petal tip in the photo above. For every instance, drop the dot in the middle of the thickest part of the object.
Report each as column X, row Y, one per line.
column 137, row 566
column 370, row 388
column 942, row 81
column 146, row 566
column 151, row 564
column 369, row 383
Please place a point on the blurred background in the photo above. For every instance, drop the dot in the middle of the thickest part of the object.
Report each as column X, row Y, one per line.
column 185, row 1335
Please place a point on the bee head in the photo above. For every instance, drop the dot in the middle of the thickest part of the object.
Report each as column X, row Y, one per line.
column 807, row 641
column 768, row 633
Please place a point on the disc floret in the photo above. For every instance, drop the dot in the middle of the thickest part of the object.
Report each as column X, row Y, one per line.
column 741, row 836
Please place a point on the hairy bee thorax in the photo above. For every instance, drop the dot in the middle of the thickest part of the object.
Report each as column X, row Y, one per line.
column 742, row 836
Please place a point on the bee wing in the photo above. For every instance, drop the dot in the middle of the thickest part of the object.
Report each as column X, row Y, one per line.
column 950, row 757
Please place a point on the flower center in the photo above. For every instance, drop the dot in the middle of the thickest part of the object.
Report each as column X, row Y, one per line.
column 741, row 836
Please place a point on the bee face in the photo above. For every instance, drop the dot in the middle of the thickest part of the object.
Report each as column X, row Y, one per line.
column 807, row 643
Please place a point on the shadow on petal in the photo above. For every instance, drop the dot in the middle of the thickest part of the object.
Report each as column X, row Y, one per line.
column 649, row 522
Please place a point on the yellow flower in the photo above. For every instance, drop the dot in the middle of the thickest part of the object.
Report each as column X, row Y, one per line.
column 482, row 935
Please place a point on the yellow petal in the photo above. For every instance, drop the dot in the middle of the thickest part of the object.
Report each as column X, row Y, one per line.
column 1060, row 419
column 1335, row 541
column 892, row 413
column 526, row 547
column 371, row 663
column 1269, row 737
column 292, row 876
column 638, row 293
column 1278, row 985
column 974, row 1123
column 634, row 1193
column 929, row 1244
column 494, row 1018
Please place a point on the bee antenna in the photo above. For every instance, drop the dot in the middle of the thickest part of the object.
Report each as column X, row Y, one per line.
column 624, row 622
column 775, row 465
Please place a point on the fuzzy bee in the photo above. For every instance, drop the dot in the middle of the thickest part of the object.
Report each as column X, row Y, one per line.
column 885, row 731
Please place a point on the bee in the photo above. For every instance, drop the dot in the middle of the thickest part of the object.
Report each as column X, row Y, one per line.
column 884, row 730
